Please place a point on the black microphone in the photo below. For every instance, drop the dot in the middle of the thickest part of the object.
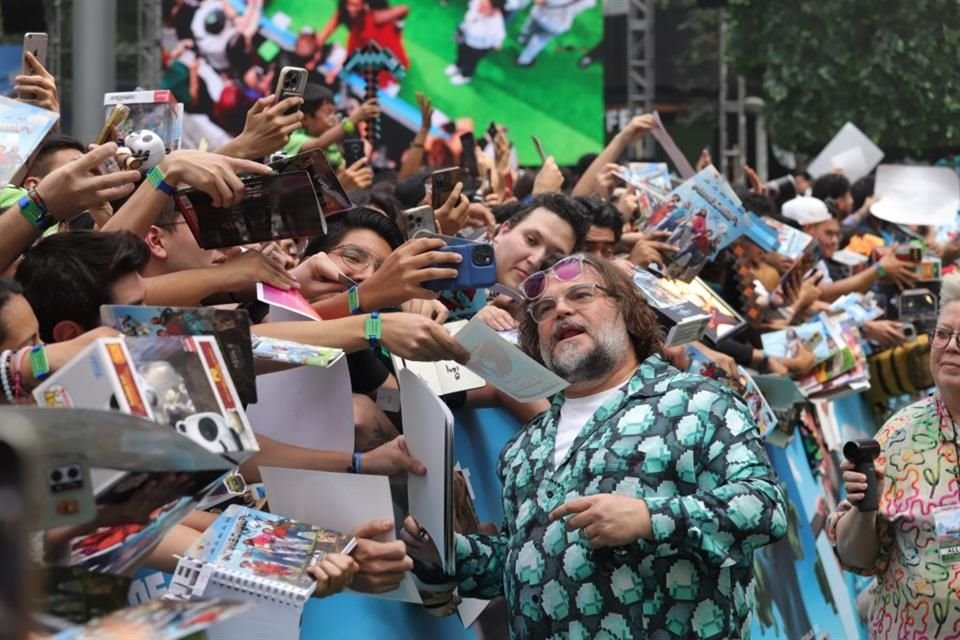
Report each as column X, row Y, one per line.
column 862, row 453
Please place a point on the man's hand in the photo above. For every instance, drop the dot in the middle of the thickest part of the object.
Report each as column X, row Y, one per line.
column 638, row 127
column 382, row 565
column 431, row 309
column 704, row 161
column 426, row 111
column 900, row 272
column 318, row 276
column 267, row 128
column 885, row 333
column 245, row 269
column 645, row 252
column 550, row 179
column 333, row 574
column 497, row 319
column 606, row 519
column 211, row 173
column 727, row 364
column 404, row 271
column 366, row 111
column 357, row 176
column 452, row 216
column 73, row 188
column 391, row 459
column 38, row 89
column 756, row 184
column 479, row 216
column 414, row 337
column 607, row 180
column 856, row 483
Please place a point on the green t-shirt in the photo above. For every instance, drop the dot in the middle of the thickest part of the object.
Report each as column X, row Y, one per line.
column 300, row 137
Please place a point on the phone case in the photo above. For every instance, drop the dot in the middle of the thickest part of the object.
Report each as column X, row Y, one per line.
column 477, row 271
column 292, row 82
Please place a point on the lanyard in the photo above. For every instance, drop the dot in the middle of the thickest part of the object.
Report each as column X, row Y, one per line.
column 944, row 414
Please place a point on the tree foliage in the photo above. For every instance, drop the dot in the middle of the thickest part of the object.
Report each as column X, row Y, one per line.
column 888, row 66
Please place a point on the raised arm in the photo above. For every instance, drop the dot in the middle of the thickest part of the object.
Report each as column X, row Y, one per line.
column 638, row 127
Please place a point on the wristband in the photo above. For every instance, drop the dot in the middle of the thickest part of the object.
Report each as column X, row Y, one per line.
column 156, row 177
column 5, row 359
column 39, row 365
column 35, row 212
column 881, row 272
column 348, row 126
column 355, row 464
column 374, row 329
column 353, row 300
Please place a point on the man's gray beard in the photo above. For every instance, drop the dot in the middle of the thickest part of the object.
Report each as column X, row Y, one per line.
column 576, row 366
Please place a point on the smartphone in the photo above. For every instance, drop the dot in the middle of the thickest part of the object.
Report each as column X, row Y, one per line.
column 478, row 269
column 492, row 131
column 292, row 81
column 468, row 158
column 539, row 146
column 353, row 150
column 418, row 221
column 35, row 43
column 442, row 183
column 117, row 117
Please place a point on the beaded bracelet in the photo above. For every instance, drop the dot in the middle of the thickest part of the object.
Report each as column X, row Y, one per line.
column 5, row 358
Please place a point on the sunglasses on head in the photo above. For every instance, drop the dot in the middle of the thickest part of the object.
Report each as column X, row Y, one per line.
column 564, row 270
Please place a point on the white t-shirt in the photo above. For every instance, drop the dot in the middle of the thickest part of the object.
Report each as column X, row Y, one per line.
column 574, row 415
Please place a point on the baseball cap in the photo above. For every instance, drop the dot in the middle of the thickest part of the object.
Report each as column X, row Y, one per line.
column 806, row 210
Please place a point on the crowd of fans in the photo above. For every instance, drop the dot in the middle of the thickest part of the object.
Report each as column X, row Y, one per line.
column 118, row 239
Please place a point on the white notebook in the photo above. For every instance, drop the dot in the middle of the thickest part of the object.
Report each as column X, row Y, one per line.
column 255, row 556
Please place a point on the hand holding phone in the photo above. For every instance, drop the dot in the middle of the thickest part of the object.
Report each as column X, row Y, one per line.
column 539, row 146
column 418, row 221
column 442, row 183
column 36, row 45
column 353, row 150
column 477, row 270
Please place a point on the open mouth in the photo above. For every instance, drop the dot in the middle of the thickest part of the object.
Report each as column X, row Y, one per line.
column 568, row 332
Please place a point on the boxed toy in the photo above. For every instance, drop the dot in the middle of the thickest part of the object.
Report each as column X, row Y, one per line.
column 179, row 381
column 157, row 111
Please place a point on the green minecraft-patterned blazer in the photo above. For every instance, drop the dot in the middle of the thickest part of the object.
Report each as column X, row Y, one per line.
column 688, row 447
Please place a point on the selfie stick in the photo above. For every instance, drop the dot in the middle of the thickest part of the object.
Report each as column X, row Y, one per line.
column 862, row 453
column 369, row 62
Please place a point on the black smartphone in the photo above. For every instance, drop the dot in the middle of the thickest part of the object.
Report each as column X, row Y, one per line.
column 442, row 183
column 292, row 81
column 353, row 150
column 468, row 157
column 492, row 130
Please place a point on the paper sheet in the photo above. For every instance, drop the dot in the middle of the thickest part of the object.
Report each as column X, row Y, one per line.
column 505, row 366
column 684, row 168
column 428, row 429
column 446, row 376
column 291, row 300
column 916, row 195
column 337, row 501
column 850, row 151
column 308, row 407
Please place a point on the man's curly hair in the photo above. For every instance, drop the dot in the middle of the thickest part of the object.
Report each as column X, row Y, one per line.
column 640, row 320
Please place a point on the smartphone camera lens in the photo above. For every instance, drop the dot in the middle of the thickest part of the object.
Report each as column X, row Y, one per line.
column 482, row 255
column 56, row 476
column 73, row 472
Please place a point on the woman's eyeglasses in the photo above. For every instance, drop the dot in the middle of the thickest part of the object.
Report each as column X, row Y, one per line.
column 565, row 270
column 357, row 258
column 940, row 338
column 577, row 296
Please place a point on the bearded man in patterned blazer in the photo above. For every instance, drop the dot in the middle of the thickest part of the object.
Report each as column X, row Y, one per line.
column 634, row 504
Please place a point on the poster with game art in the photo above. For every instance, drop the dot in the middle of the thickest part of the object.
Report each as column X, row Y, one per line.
column 22, row 129
column 703, row 215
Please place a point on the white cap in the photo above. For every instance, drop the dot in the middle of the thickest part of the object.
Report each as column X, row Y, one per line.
column 806, row 210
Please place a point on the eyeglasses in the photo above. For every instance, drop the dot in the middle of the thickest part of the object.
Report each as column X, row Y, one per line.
column 940, row 338
column 357, row 257
column 577, row 296
column 566, row 270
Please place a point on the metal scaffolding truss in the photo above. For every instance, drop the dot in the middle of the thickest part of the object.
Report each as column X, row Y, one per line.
column 641, row 79
column 149, row 38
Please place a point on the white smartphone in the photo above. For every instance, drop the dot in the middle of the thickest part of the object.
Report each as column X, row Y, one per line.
column 292, row 81
column 35, row 43
column 419, row 221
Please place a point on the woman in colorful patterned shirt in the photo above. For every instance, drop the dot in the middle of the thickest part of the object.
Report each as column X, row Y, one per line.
column 907, row 542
